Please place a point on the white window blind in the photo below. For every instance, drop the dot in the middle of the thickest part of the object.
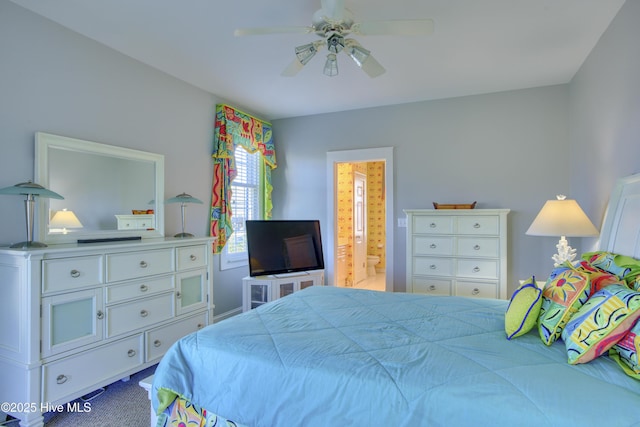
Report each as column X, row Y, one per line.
column 245, row 204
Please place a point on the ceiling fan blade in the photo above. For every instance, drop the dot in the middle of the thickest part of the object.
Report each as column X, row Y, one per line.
column 259, row 31
column 292, row 69
column 409, row 27
column 333, row 10
column 372, row 67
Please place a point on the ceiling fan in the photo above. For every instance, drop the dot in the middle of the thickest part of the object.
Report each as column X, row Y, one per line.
column 333, row 23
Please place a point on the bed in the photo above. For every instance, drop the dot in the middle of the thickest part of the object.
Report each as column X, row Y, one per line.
column 329, row 356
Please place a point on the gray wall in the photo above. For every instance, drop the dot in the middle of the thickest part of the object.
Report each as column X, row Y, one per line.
column 56, row 81
column 507, row 150
column 504, row 150
column 605, row 113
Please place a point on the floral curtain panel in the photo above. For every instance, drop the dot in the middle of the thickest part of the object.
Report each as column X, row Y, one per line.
column 234, row 128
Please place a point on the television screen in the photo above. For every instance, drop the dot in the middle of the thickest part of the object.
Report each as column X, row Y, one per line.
column 283, row 246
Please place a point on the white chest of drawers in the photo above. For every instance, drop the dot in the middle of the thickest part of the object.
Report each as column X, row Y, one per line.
column 457, row 252
column 78, row 317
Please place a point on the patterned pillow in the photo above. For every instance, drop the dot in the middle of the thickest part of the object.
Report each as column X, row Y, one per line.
column 626, row 351
column 600, row 323
column 623, row 266
column 523, row 310
column 599, row 278
column 564, row 293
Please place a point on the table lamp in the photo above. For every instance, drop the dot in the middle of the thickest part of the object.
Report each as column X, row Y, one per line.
column 562, row 217
column 183, row 199
column 30, row 189
column 63, row 220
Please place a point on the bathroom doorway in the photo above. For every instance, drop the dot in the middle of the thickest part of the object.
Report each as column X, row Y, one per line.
column 376, row 165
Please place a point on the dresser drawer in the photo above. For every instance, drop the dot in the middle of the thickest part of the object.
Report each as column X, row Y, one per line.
column 191, row 257
column 118, row 293
column 431, row 286
column 131, row 265
column 478, row 290
column 477, row 268
column 159, row 340
column 478, row 225
column 432, row 224
column 71, row 273
column 66, row 376
column 432, row 266
column 433, row 245
column 486, row 247
column 127, row 317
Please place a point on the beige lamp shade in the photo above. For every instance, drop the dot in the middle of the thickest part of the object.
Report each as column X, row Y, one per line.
column 562, row 218
column 64, row 219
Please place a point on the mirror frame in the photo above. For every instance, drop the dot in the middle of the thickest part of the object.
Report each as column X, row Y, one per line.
column 46, row 142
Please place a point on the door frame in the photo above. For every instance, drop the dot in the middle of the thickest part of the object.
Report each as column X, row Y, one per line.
column 384, row 154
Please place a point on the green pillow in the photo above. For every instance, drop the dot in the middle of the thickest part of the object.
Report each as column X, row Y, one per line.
column 564, row 293
column 523, row 310
column 601, row 322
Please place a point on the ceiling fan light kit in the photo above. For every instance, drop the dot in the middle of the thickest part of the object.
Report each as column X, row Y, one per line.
column 333, row 22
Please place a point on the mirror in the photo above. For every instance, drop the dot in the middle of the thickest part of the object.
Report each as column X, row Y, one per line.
column 114, row 192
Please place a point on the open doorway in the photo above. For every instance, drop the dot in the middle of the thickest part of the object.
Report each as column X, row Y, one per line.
column 335, row 245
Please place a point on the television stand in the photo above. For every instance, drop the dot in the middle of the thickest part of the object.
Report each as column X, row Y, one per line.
column 262, row 289
column 282, row 275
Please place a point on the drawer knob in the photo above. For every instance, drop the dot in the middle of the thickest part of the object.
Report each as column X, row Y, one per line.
column 200, row 325
column 476, row 269
column 100, row 314
column 476, row 247
column 433, row 246
column 131, row 353
column 432, row 287
column 157, row 343
column 144, row 313
column 433, row 266
column 61, row 379
column 476, row 225
column 475, row 291
column 144, row 288
column 178, row 294
column 192, row 257
column 143, row 264
column 432, row 225
column 75, row 273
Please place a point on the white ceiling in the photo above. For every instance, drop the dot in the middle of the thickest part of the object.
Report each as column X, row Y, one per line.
column 479, row 46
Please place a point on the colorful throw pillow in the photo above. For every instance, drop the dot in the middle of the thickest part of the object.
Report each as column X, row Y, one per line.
column 600, row 323
column 599, row 278
column 623, row 266
column 566, row 290
column 524, row 307
column 626, row 351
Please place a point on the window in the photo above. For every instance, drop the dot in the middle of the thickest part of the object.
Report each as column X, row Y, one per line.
column 245, row 204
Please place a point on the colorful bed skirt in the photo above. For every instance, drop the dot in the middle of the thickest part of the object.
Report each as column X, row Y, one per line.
column 182, row 413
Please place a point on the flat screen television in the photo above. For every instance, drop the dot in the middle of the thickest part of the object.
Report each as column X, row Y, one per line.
column 283, row 246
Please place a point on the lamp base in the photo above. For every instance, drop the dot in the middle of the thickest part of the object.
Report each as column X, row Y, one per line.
column 184, row 235
column 565, row 253
column 28, row 245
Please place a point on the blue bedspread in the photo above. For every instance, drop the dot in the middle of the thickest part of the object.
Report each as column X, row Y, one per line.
column 341, row 357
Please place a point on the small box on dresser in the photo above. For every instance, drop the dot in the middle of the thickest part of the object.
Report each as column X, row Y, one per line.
column 457, row 252
column 77, row 317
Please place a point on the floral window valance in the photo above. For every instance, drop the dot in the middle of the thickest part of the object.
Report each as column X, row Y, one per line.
column 234, row 128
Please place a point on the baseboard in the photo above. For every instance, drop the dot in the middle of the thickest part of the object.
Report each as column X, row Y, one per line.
column 227, row 314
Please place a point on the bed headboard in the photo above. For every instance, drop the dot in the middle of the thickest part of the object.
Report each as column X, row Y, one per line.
column 621, row 227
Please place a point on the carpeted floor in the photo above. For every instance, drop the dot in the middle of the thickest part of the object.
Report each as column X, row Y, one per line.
column 124, row 403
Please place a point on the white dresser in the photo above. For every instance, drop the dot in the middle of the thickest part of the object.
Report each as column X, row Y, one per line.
column 76, row 317
column 457, row 252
